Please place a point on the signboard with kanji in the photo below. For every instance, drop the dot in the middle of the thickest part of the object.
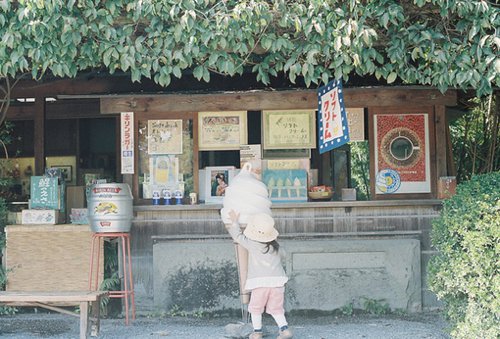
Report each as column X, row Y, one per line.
column 44, row 193
column 333, row 130
column 127, row 142
column 290, row 129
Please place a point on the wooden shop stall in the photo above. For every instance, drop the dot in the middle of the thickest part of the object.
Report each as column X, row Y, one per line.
column 407, row 133
column 168, row 146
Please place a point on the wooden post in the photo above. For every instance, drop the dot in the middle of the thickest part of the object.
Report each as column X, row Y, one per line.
column 39, row 135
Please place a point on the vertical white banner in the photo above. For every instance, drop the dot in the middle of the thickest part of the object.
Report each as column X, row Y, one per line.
column 332, row 118
column 127, row 142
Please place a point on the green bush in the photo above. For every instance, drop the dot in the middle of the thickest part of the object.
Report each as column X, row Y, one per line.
column 465, row 274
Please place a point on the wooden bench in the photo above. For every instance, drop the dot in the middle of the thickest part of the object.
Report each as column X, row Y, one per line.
column 48, row 300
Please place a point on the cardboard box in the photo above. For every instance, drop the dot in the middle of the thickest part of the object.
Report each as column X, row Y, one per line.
column 348, row 194
column 79, row 216
column 14, row 218
column 75, row 198
column 33, row 216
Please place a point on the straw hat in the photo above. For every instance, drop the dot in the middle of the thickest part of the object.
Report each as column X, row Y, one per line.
column 260, row 228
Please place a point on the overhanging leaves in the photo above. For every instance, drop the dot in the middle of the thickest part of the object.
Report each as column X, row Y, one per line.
column 453, row 43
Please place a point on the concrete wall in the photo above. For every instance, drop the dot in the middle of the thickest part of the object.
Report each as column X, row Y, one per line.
column 325, row 273
column 193, row 226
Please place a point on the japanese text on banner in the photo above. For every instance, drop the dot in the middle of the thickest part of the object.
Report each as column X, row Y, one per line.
column 332, row 118
column 127, row 142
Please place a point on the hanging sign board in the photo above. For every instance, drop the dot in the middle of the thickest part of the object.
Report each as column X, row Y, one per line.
column 333, row 130
column 356, row 123
column 127, row 142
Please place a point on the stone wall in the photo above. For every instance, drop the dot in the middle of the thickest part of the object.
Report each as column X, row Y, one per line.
column 325, row 273
column 336, row 221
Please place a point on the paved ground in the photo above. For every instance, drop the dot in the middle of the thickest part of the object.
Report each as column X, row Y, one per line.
column 419, row 326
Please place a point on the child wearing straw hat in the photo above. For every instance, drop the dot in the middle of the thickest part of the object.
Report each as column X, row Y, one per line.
column 266, row 277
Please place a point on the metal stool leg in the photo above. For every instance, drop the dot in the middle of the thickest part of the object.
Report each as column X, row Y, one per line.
column 125, row 278
column 130, row 277
column 126, row 261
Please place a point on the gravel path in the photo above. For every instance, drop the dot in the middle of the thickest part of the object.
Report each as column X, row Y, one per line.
column 44, row 325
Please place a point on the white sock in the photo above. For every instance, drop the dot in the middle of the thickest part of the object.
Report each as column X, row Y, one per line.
column 280, row 320
column 257, row 321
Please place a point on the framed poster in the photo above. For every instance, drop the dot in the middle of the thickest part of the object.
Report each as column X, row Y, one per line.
column 66, row 171
column 222, row 130
column 217, row 178
column 401, row 153
column 163, row 170
column 286, row 185
column 165, row 136
column 289, row 129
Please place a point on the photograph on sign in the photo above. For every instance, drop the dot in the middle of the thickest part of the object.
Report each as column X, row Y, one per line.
column 66, row 172
column 217, row 179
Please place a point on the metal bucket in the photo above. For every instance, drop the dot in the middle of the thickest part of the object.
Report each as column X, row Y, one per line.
column 110, row 208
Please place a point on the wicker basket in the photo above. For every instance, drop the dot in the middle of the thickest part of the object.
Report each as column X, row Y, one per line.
column 320, row 195
column 48, row 257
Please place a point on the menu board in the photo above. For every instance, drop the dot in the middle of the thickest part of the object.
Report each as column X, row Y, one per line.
column 289, row 129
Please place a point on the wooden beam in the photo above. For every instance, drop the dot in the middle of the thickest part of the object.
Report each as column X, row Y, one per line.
column 262, row 100
column 61, row 109
column 441, row 149
column 84, row 85
column 21, row 112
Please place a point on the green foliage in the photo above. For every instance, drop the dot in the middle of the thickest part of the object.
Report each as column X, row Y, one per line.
column 376, row 307
column 360, row 169
column 111, row 281
column 451, row 43
column 347, row 309
column 202, row 286
column 475, row 138
column 466, row 273
column 3, row 219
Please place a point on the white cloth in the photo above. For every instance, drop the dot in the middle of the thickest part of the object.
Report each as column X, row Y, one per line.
column 264, row 268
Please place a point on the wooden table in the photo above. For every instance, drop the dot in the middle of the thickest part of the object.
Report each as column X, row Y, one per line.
column 84, row 299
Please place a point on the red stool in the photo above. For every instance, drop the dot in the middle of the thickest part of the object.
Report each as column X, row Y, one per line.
column 128, row 284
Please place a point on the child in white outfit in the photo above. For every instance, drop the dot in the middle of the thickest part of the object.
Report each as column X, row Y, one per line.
column 265, row 278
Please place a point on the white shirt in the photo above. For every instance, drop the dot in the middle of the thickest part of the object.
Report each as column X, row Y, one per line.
column 264, row 268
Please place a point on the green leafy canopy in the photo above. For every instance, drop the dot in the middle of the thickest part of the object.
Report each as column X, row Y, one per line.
column 442, row 43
